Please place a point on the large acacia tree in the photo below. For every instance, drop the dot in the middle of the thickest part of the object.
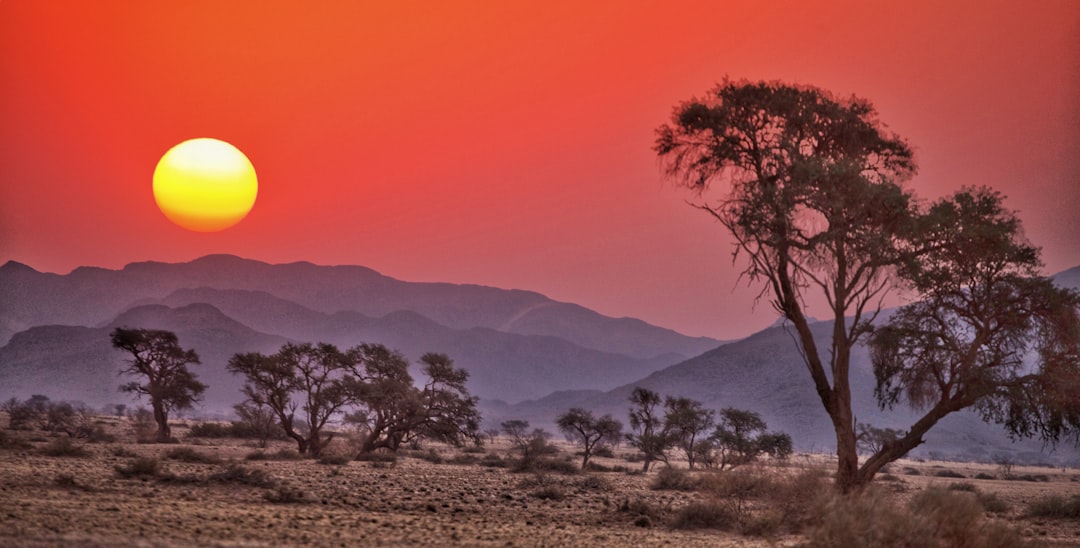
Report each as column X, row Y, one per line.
column 816, row 205
column 161, row 365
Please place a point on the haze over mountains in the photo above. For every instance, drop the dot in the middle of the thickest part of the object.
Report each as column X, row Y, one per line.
column 516, row 344
column 528, row 356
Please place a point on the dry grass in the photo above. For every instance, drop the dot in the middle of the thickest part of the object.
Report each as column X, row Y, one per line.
column 150, row 494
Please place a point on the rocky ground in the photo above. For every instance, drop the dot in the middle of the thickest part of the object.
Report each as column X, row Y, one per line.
column 104, row 498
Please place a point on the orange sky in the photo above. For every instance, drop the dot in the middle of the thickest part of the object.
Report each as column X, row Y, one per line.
column 501, row 143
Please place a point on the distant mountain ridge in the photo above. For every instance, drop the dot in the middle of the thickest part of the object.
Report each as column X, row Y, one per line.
column 516, row 344
column 764, row 373
column 91, row 296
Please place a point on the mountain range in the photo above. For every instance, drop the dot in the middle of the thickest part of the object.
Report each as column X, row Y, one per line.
column 528, row 356
column 515, row 344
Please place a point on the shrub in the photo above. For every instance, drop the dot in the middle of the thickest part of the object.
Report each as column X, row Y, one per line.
column 430, row 455
column 237, row 473
column 949, row 474
column 140, row 467
column 674, row 479
column 187, row 454
column 912, row 471
column 963, row 486
column 868, row 519
column 550, row 492
column 1055, row 506
column 984, row 476
column 593, row 483
column 464, row 459
column 13, row 442
column 708, row 514
column 492, row 460
column 992, row 503
column 280, row 454
column 63, row 447
column 335, row 460
column 210, row 430
column 287, row 494
column 377, row 457
column 121, row 451
column 541, row 464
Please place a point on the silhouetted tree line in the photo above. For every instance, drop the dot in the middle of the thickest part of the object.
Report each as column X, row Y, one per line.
column 685, row 425
column 302, row 388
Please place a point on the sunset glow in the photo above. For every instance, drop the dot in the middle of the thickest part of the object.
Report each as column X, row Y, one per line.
column 502, row 143
column 205, row 185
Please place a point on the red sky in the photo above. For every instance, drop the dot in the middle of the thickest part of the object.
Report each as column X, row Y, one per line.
column 502, row 143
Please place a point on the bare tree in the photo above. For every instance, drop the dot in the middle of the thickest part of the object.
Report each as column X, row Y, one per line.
column 160, row 363
column 580, row 426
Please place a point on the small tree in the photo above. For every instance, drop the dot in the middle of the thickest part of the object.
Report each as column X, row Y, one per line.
column 306, row 377
column 872, row 439
column 392, row 411
column 258, row 419
column 530, row 444
column 156, row 357
column 687, row 422
column 579, row 426
column 648, row 433
column 741, row 437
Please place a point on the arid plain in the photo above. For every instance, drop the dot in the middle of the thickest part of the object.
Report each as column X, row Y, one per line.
column 228, row 492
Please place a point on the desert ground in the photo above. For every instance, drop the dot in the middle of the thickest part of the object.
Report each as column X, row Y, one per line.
column 228, row 492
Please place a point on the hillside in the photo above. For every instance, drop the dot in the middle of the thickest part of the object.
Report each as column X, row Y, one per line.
column 765, row 373
column 90, row 296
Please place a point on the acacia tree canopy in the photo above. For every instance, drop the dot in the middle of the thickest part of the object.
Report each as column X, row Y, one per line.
column 580, row 426
column 371, row 381
column 816, row 205
column 158, row 359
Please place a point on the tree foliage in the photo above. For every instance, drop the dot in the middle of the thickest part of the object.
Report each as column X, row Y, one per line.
column 648, row 434
column 816, row 205
column 741, row 437
column 162, row 367
column 687, row 423
column 369, row 384
column 581, row 427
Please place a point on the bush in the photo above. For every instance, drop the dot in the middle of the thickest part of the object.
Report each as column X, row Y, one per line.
column 187, row 454
column 949, row 474
column 492, row 460
column 287, row 494
column 237, row 473
column 674, row 479
column 1055, row 506
column 558, row 466
column 140, row 467
column 935, row 518
column 335, row 460
column 63, row 447
column 12, row 442
column 963, row 486
column 709, row 514
column 280, row 454
column 550, row 492
column 377, row 457
column 912, row 471
column 464, row 459
column 992, row 503
column 593, row 483
column 984, row 476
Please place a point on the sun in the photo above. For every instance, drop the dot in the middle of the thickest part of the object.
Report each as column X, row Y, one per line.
column 205, row 185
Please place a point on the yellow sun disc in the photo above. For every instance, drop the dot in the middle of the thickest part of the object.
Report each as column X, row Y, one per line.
column 205, row 185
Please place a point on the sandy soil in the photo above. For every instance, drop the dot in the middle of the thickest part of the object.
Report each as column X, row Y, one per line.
column 83, row 501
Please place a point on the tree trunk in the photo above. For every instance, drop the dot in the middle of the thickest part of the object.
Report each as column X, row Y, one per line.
column 162, row 418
